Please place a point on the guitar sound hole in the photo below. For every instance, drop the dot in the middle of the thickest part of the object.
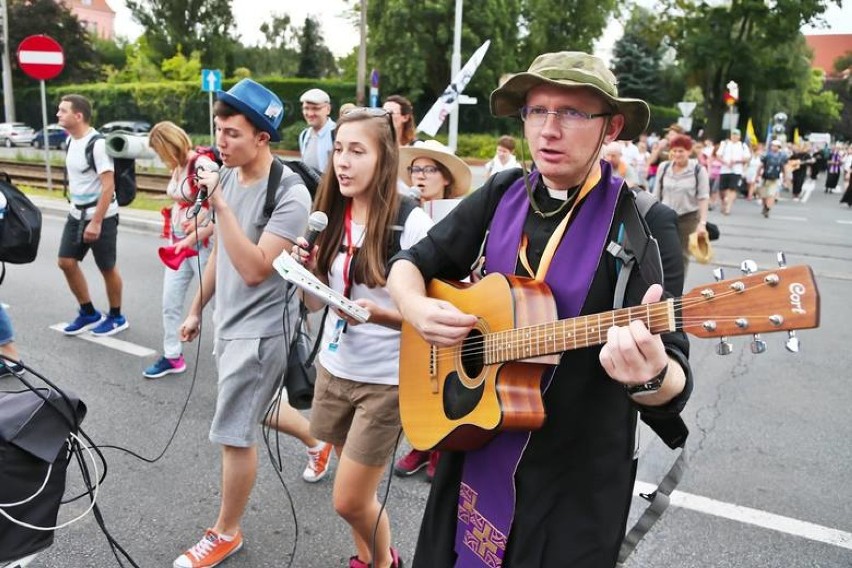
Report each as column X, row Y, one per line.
column 473, row 354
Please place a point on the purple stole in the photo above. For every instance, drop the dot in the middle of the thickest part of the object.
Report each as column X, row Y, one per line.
column 487, row 493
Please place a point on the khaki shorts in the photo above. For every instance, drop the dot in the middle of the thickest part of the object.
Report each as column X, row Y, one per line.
column 361, row 417
column 769, row 188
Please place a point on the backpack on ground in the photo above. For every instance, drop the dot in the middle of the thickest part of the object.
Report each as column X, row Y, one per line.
column 124, row 173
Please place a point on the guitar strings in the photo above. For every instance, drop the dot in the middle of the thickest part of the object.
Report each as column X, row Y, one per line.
column 661, row 310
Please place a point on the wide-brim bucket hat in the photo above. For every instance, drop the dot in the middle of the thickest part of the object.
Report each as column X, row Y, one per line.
column 260, row 106
column 571, row 70
column 699, row 247
column 434, row 150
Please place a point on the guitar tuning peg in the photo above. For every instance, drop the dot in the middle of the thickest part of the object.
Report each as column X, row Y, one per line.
column 748, row 267
column 782, row 259
column 758, row 346
column 792, row 343
column 724, row 347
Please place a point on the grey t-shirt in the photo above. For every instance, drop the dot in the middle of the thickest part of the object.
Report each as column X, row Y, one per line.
column 249, row 312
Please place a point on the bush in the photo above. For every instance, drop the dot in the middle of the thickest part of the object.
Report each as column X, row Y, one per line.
column 182, row 102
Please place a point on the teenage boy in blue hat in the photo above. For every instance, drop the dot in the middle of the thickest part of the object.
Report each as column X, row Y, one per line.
column 251, row 347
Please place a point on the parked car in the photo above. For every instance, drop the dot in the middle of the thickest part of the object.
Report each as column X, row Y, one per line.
column 134, row 126
column 56, row 136
column 15, row 134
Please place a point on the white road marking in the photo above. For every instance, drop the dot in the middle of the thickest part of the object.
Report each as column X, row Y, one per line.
column 787, row 218
column 754, row 517
column 844, row 222
column 111, row 342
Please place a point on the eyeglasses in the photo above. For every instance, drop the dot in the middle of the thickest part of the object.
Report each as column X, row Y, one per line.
column 425, row 170
column 567, row 117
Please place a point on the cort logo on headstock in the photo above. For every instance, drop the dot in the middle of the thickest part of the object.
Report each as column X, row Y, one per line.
column 797, row 290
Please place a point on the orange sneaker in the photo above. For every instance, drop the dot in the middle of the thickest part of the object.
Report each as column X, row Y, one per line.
column 211, row 550
column 318, row 462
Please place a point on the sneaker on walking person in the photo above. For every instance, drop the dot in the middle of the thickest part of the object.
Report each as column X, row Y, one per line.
column 318, row 462
column 110, row 326
column 165, row 366
column 83, row 322
column 411, row 463
column 211, row 550
column 433, row 463
column 396, row 561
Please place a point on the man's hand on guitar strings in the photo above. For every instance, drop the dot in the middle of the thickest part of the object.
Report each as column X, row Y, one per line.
column 632, row 355
column 439, row 322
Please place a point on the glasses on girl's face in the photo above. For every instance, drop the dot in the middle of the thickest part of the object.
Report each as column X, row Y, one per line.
column 425, row 170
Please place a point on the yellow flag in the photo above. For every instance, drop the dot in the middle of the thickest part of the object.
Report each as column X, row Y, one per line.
column 796, row 138
column 751, row 136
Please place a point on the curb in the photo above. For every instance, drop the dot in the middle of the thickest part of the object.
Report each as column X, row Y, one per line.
column 147, row 221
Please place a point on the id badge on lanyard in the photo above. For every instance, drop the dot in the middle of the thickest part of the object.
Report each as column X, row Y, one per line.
column 340, row 327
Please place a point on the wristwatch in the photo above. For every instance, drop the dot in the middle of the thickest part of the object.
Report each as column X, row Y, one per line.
column 649, row 387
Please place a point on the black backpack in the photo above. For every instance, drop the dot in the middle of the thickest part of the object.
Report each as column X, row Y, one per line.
column 20, row 228
column 124, row 173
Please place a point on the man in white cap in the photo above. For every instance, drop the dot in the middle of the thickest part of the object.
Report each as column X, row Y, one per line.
column 558, row 495
column 317, row 140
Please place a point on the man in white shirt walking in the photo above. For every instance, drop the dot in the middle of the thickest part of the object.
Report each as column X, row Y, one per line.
column 734, row 154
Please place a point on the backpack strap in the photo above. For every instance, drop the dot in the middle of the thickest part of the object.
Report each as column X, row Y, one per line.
column 276, row 171
column 639, row 247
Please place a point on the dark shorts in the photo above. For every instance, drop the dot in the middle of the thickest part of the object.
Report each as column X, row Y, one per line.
column 729, row 181
column 103, row 249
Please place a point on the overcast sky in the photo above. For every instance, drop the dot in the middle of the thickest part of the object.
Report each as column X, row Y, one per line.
column 341, row 36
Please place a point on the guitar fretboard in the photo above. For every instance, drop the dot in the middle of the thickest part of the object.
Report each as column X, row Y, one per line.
column 573, row 333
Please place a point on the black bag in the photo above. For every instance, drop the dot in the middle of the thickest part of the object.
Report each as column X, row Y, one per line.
column 33, row 446
column 20, row 228
column 712, row 231
column 301, row 375
column 124, row 173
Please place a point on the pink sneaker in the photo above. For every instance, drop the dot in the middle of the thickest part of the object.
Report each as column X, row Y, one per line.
column 411, row 463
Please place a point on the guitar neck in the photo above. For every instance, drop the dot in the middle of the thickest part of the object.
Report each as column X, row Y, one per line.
column 574, row 333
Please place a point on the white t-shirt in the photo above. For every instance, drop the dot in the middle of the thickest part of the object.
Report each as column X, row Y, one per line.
column 735, row 153
column 495, row 166
column 84, row 183
column 367, row 353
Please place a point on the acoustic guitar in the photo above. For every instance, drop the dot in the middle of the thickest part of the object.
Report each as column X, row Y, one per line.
column 459, row 397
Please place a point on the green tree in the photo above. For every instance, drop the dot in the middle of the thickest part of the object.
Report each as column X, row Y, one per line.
column 30, row 17
column 821, row 108
column 140, row 68
column 315, row 59
column 755, row 43
column 637, row 59
column 206, row 26
column 843, row 62
column 411, row 43
column 179, row 68
column 558, row 25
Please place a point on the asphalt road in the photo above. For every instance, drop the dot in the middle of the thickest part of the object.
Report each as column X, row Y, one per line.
column 769, row 444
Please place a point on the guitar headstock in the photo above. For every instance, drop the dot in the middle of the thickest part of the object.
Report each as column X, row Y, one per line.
column 774, row 300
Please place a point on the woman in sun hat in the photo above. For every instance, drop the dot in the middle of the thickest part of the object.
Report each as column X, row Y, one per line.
column 434, row 171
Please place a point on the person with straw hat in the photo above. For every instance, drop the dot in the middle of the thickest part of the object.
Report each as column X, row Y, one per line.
column 434, row 171
column 560, row 495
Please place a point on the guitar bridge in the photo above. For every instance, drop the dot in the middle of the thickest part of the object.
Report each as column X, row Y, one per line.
column 433, row 368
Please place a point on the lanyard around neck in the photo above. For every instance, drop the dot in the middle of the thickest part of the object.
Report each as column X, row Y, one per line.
column 350, row 251
column 553, row 242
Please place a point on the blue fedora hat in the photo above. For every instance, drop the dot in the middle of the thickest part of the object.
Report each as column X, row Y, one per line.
column 260, row 106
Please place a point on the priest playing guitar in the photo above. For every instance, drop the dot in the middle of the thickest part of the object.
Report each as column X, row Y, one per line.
column 526, row 486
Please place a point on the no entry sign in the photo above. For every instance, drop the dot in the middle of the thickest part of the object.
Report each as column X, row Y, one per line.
column 40, row 57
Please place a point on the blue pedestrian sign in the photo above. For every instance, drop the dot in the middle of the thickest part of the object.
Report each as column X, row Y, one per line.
column 211, row 80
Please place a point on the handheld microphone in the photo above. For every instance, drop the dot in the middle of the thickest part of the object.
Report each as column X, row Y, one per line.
column 414, row 193
column 202, row 191
column 317, row 223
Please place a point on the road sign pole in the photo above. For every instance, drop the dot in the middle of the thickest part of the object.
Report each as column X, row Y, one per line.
column 210, row 106
column 45, row 133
